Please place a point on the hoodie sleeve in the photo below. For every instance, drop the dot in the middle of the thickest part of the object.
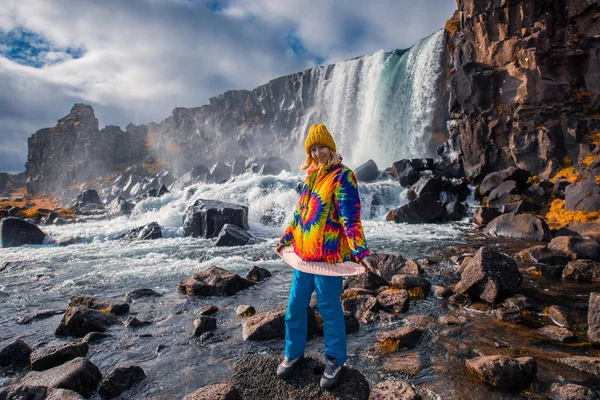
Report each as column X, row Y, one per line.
column 347, row 203
column 288, row 236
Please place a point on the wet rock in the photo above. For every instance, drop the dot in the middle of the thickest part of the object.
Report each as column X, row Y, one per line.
column 206, row 218
column 519, row 226
column 368, row 280
column 221, row 391
column 583, row 196
column 407, row 364
column 427, row 185
column 559, row 316
column 559, row 188
column 368, row 172
column 112, row 306
column 274, row 216
column 504, row 371
column 94, row 337
column 266, row 325
column 393, row 390
column 406, row 336
column 120, row 380
column 582, row 271
column 88, row 197
column 147, row 232
column 37, row 316
column 393, row 300
column 405, row 173
column 577, row 248
column 258, row 274
column 519, row 301
column 120, row 206
column 23, row 392
column 509, row 314
column 232, row 235
column 351, row 322
column 213, row 282
column 79, row 375
column 209, row 310
column 593, row 317
column 484, row 215
column 489, row 183
column 442, row 292
column 385, row 265
column 360, row 306
column 455, row 211
column 500, row 196
column 274, row 166
column 582, row 229
column 134, row 322
column 542, row 254
column 141, row 293
column 219, row 173
column 254, row 376
column 50, row 357
column 14, row 354
column 556, row 333
column 204, row 324
column 425, row 209
column 402, row 281
column 570, row 391
column 452, row 320
column 489, row 275
column 245, row 310
column 79, row 321
column 589, row 365
column 16, row 232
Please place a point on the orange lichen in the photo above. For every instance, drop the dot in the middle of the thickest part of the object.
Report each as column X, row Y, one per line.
column 416, row 293
column 389, row 345
column 567, row 161
column 452, row 26
column 533, row 179
column 557, row 216
column 588, row 160
column 595, row 137
column 567, row 173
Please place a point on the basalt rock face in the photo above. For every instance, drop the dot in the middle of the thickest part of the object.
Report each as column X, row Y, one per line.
column 524, row 82
column 75, row 150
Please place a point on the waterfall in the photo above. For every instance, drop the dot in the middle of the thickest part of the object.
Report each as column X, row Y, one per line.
column 379, row 106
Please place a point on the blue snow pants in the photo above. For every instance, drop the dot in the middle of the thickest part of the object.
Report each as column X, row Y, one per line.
column 329, row 290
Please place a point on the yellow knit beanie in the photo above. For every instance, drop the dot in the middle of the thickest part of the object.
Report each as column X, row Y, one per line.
column 318, row 134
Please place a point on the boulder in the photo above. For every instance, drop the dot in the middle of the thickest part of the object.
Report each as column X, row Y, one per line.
column 221, row 391
column 254, row 376
column 245, row 310
column 38, row 315
column 22, row 392
column 134, row 322
column 140, row 293
column 360, row 306
column 367, row 280
column 393, row 390
column 204, row 324
column 87, row 197
column 162, row 190
column 95, row 337
column 489, row 183
column 405, row 173
column 484, row 215
column 503, row 371
column 79, row 321
column 509, row 314
column 556, row 333
column 427, row 185
column 15, row 354
column 232, row 235
column 455, row 211
column 352, row 325
column 519, row 226
column 582, row 229
column 583, row 196
column 219, row 173
column 208, row 310
column 393, row 300
column 274, row 166
column 571, row 391
column 49, row 357
column 367, row 172
column 542, row 254
column 425, row 209
column 489, row 275
column 582, row 271
column 271, row 325
column 593, row 318
column 501, row 195
column 120, row 380
column 442, row 292
column 199, row 173
column 560, row 316
column 146, row 232
column 16, row 232
column 258, row 274
column 206, row 218
column 120, row 206
column 589, row 365
column 402, row 281
column 406, row 364
column 239, row 166
column 577, row 248
column 559, row 188
column 406, row 336
column 115, row 307
column 79, row 375
column 385, row 265
column 213, row 282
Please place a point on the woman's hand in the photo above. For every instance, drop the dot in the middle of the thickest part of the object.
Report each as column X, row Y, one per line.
column 279, row 248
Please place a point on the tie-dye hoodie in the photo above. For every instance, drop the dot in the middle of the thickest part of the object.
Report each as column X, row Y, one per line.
column 326, row 224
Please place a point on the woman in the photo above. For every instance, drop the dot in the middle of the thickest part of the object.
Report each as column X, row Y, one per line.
column 328, row 243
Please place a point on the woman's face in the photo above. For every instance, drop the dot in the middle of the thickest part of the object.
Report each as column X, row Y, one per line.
column 320, row 153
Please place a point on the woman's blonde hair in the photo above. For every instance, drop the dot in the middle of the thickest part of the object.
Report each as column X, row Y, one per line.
column 311, row 164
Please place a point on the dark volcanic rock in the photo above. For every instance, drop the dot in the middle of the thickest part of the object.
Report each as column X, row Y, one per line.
column 589, row 365
column 38, row 315
column 213, row 282
column 120, row 380
column 519, row 226
column 582, row 271
column 405, row 173
column 406, row 336
column 204, row 324
column 393, row 390
column 221, row 391
column 556, row 333
column 484, row 215
column 78, row 375
column 542, row 254
column 509, row 314
column 79, row 321
column 593, row 318
column 577, row 248
column 571, row 391
column 559, row 188
column 258, row 274
column 120, row 206
column 368, row 172
column 427, row 185
column 50, row 357
column 368, row 280
column 360, row 306
column 385, row 265
column 560, row 316
column 583, row 196
column 490, row 182
column 266, row 325
column 425, row 209
column 500, row 196
column 140, row 293
column 17, row 232
column 14, row 354
column 582, row 229
column 112, row 306
column 393, row 300
column 146, row 232
column 134, row 322
column 219, row 173
column 489, row 275
column 88, row 197
column 206, row 218
column 455, row 211
column 255, row 379
column 232, row 235
column 245, row 310
column 503, row 371
column 403, row 281
column 274, row 166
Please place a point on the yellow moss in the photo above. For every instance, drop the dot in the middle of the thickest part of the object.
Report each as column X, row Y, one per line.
column 105, row 310
column 567, row 161
column 452, row 26
column 595, row 137
column 597, row 180
column 567, row 173
column 389, row 345
column 247, row 314
column 557, row 216
column 416, row 293
column 349, row 294
column 588, row 160
column 533, row 179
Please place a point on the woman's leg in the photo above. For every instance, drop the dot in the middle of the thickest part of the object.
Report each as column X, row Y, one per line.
column 329, row 290
column 303, row 285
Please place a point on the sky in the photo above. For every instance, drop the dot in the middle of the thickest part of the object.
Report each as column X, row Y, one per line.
column 136, row 60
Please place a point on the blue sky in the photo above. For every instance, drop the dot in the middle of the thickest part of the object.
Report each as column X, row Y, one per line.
column 135, row 61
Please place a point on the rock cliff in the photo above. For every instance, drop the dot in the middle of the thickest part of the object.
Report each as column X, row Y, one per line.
column 524, row 83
